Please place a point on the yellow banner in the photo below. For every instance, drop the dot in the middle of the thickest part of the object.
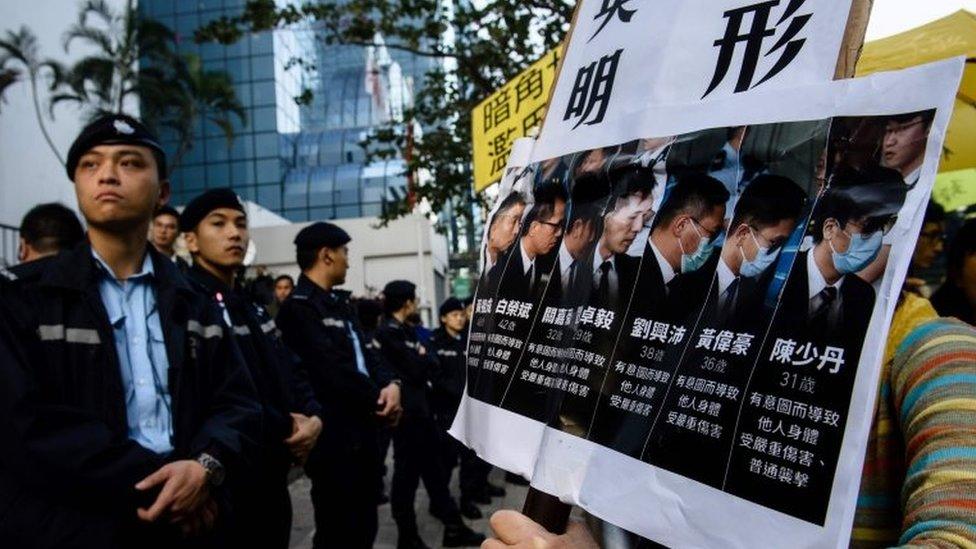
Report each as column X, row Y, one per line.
column 508, row 114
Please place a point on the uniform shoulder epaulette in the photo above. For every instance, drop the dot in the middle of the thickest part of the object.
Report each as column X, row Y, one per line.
column 7, row 274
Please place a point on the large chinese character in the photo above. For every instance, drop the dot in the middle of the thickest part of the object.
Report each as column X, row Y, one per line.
column 608, row 10
column 753, row 40
column 529, row 86
column 592, row 88
column 497, row 110
column 501, row 145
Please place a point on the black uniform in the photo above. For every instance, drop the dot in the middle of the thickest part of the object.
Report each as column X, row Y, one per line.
column 262, row 516
column 319, row 326
column 416, row 434
column 67, row 466
column 448, row 386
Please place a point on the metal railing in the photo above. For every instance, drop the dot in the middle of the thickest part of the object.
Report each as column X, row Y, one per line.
column 9, row 239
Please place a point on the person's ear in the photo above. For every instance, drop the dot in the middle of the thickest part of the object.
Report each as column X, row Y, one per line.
column 678, row 225
column 190, row 238
column 164, row 193
column 23, row 250
column 830, row 228
column 325, row 256
column 740, row 234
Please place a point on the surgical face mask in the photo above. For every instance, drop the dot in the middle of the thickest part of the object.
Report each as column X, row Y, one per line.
column 860, row 253
column 694, row 260
column 764, row 258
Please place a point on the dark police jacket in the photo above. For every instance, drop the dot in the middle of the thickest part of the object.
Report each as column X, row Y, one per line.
column 400, row 348
column 63, row 428
column 279, row 377
column 315, row 325
column 449, row 376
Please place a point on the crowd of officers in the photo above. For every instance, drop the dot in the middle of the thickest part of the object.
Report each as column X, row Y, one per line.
column 145, row 402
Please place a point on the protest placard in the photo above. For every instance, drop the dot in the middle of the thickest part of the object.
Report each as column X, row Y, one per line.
column 683, row 312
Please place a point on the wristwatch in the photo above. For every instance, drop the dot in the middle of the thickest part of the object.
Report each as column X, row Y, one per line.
column 215, row 470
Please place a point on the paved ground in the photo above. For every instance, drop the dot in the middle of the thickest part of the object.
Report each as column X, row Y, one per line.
column 303, row 523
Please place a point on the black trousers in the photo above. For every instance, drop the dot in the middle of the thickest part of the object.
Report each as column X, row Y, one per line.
column 343, row 476
column 415, row 457
column 262, row 510
column 473, row 473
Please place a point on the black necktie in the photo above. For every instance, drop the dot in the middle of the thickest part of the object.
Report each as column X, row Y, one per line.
column 603, row 289
column 819, row 317
column 729, row 296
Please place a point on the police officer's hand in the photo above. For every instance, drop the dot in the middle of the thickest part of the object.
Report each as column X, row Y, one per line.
column 184, row 489
column 514, row 530
column 389, row 402
column 305, row 432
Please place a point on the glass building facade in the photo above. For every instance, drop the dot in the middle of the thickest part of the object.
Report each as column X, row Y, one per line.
column 303, row 162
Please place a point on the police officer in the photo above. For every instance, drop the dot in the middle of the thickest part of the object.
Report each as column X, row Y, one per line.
column 357, row 392
column 217, row 237
column 449, row 344
column 415, row 440
column 125, row 403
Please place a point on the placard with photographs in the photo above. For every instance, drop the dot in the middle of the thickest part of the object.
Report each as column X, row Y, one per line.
column 687, row 327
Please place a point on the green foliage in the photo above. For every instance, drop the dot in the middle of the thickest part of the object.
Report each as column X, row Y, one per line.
column 479, row 47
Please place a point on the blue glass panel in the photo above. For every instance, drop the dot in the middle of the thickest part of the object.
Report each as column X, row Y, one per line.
column 218, row 175
column 269, row 170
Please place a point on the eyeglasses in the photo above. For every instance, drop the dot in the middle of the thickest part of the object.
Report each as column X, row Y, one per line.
column 893, row 129
column 555, row 226
column 711, row 234
column 763, row 241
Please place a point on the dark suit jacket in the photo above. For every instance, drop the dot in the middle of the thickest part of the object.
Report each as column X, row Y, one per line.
column 857, row 302
column 650, row 298
column 697, row 291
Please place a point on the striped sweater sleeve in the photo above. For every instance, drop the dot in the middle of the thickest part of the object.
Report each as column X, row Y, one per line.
column 933, row 380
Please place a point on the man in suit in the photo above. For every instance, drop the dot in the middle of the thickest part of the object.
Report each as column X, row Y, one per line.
column 613, row 271
column 503, row 228
column 821, row 302
column 518, row 273
column 580, row 233
column 690, row 219
column 766, row 214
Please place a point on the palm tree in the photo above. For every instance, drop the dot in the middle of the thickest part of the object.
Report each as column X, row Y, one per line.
column 21, row 48
column 135, row 57
column 201, row 94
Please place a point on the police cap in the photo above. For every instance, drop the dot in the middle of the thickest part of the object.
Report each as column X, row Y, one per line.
column 115, row 129
column 401, row 289
column 201, row 206
column 321, row 235
column 451, row 304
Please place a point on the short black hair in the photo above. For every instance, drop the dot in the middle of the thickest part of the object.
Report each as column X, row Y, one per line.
column 166, row 209
column 767, row 200
column 51, row 227
column 875, row 193
column 927, row 117
column 546, row 197
column 305, row 257
column 279, row 278
column 934, row 213
column 963, row 245
column 393, row 303
column 513, row 199
column 631, row 179
column 694, row 194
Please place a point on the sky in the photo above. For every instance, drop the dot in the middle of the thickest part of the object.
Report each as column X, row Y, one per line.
column 893, row 16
